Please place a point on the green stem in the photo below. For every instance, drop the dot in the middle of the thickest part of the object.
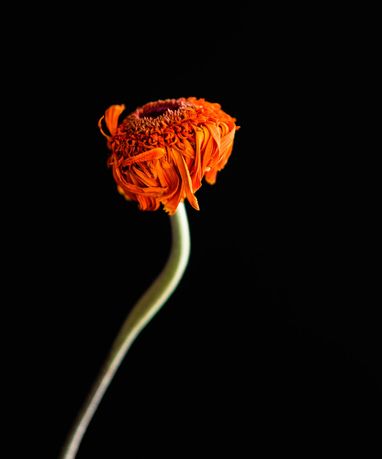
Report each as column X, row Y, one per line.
column 141, row 314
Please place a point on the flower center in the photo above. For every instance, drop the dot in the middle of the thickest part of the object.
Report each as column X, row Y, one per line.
column 154, row 110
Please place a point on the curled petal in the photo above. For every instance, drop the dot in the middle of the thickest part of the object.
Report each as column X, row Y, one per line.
column 186, row 179
column 149, row 155
column 111, row 119
column 226, row 146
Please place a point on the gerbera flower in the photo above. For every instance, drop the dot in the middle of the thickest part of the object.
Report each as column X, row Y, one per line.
column 161, row 152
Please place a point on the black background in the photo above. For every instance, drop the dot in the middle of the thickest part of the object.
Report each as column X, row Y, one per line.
column 271, row 339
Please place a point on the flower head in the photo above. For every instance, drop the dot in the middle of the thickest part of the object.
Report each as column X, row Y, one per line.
column 161, row 152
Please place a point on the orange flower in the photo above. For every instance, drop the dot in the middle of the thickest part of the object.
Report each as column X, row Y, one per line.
column 161, row 152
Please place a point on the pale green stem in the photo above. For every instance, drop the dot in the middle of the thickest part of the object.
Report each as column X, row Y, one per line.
column 143, row 311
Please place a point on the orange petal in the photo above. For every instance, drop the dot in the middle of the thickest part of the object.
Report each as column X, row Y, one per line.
column 148, row 155
column 186, row 178
column 196, row 172
column 111, row 119
column 208, row 148
column 227, row 140
column 215, row 132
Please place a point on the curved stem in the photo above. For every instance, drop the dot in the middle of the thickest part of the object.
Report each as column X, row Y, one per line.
column 141, row 314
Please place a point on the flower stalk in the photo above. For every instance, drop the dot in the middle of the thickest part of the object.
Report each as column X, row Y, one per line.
column 141, row 314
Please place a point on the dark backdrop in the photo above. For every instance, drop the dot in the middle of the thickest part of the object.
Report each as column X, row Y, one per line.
column 271, row 338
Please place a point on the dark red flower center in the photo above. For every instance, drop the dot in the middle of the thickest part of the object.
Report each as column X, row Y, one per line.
column 153, row 110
